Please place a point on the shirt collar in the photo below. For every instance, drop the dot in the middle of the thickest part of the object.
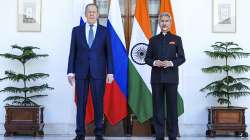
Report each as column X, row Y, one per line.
column 95, row 24
column 165, row 34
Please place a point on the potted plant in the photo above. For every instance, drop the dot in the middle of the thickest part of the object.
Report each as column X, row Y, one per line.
column 23, row 114
column 227, row 118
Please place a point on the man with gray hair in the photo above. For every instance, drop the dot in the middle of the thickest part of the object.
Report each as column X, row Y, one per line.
column 90, row 65
column 165, row 53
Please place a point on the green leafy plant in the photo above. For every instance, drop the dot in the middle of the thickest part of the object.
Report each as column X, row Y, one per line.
column 24, row 95
column 229, row 86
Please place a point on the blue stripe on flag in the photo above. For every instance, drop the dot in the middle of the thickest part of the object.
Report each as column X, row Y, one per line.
column 81, row 21
column 120, row 60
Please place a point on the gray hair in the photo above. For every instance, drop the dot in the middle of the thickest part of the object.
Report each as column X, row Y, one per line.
column 91, row 4
column 164, row 14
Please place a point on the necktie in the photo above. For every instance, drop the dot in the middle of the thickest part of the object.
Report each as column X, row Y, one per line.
column 91, row 36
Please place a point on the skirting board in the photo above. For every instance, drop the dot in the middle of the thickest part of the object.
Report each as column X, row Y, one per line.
column 69, row 129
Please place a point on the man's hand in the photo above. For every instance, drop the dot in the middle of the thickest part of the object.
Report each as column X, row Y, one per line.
column 71, row 79
column 110, row 78
column 167, row 63
column 158, row 63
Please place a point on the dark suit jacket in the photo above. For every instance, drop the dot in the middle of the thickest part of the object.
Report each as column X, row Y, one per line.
column 168, row 47
column 97, row 60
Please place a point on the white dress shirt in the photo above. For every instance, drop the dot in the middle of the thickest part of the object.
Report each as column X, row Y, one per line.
column 87, row 28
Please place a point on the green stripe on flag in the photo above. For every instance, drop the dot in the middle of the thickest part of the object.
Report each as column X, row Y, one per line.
column 140, row 98
column 180, row 105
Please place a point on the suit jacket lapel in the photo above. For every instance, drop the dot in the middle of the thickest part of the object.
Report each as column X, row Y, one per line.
column 83, row 36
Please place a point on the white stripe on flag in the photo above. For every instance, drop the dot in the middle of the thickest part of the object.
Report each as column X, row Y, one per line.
column 138, row 36
column 116, row 20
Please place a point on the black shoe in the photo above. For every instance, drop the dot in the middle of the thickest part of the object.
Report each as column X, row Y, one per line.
column 99, row 138
column 79, row 138
column 172, row 138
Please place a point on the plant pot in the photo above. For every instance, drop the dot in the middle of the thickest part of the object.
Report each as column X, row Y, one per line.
column 226, row 120
column 24, row 120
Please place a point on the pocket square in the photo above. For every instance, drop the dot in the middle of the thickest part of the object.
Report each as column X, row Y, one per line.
column 172, row 43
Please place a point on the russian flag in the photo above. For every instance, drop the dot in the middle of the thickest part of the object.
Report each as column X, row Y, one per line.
column 116, row 94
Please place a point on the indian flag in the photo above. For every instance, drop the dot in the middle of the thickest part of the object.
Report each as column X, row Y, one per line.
column 139, row 88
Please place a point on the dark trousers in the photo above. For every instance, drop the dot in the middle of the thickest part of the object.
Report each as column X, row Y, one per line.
column 97, row 90
column 160, row 93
